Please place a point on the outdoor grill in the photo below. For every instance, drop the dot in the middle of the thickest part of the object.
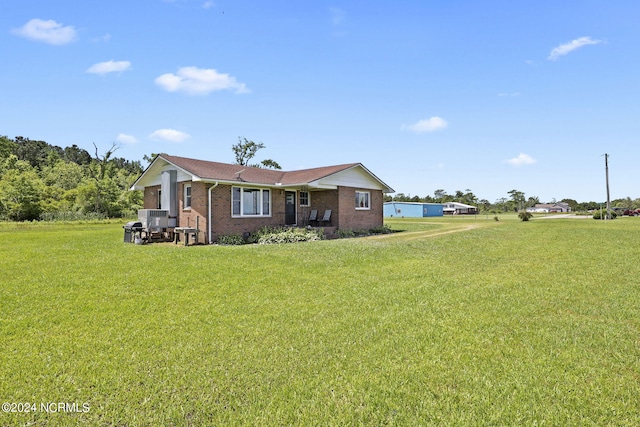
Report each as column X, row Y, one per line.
column 130, row 230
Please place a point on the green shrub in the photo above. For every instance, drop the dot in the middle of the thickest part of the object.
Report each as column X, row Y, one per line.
column 525, row 216
column 345, row 233
column 263, row 231
column 271, row 235
column 231, row 239
column 602, row 214
column 348, row 232
column 383, row 229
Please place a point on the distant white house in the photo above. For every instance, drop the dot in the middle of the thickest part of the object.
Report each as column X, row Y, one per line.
column 455, row 208
column 550, row 207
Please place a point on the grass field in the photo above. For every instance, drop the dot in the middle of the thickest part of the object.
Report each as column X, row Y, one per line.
column 453, row 321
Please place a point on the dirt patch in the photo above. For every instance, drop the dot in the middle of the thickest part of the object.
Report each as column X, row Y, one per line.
column 412, row 235
column 563, row 216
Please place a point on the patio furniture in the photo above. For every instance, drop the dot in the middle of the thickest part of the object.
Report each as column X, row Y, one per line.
column 326, row 218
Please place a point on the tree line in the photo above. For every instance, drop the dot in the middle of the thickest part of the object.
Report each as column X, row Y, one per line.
column 515, row 202
column 43, row 181
column 40, row 181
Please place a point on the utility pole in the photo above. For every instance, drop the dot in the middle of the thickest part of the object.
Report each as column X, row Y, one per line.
column 606, row 170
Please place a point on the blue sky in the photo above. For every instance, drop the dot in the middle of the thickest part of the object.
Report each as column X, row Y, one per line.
column 489, row 96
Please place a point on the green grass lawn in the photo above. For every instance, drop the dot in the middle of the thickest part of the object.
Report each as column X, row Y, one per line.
column 453, row 321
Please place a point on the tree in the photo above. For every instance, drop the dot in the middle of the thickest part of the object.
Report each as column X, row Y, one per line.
column 517, row 197
column 101, row 164
column 485, row 205
column 572, row 204
column 7, row 147
column 401, row 197
column 532, row 201
column 245, row 150
column 622, row 203
column 440, row 195
column 77, row 155
column 64, row 175
column 502, row 204
column 466, row 197
column 34, row 152
column 20, row 193
column 130, row 167
column 101, row 192
column 270, row 164
column 37, row 178
column 150, row 158
column 587, row 206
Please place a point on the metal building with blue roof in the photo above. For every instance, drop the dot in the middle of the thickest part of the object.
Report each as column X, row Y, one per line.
column 412, row 209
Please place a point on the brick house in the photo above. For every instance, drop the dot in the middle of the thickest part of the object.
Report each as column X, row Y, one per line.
column 224, row 199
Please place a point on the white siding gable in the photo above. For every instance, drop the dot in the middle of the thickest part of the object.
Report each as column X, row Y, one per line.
column 353, row 177
column 154, row 175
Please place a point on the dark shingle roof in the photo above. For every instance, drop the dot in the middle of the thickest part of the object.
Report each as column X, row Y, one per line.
column 207, row 170
column 203, row 170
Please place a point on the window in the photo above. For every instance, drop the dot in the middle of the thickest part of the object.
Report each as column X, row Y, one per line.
column 304, row 198
column 159, row 199
column 250, row 202
column 265, row 202
column 187, row 197
column 362, row 200
column 235, row 204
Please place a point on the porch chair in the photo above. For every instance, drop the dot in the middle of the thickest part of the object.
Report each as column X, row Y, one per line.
column 326, row 217
column 313, row 217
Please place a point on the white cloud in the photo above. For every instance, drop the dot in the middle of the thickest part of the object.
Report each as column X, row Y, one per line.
column 566, row 48
column 126, row 139
column 522, row 159
column 199, row 81
column 208, row 4
column 338, row 18
column 103, row 68
column 427, row 125
column 104, row 38
column 169, row 135
column 49, row 32
column 337, row 15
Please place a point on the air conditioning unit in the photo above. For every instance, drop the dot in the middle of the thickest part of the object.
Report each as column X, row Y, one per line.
column 153, row 218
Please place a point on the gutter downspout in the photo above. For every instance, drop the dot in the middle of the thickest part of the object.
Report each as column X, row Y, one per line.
column 210, row 215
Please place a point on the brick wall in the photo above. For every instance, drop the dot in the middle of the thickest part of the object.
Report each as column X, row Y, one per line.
column 354, row 219
column 320, row 201
column 150, row 200
column 341, row 202
column 198, row 212
column 224, row 224
column 186, row 217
